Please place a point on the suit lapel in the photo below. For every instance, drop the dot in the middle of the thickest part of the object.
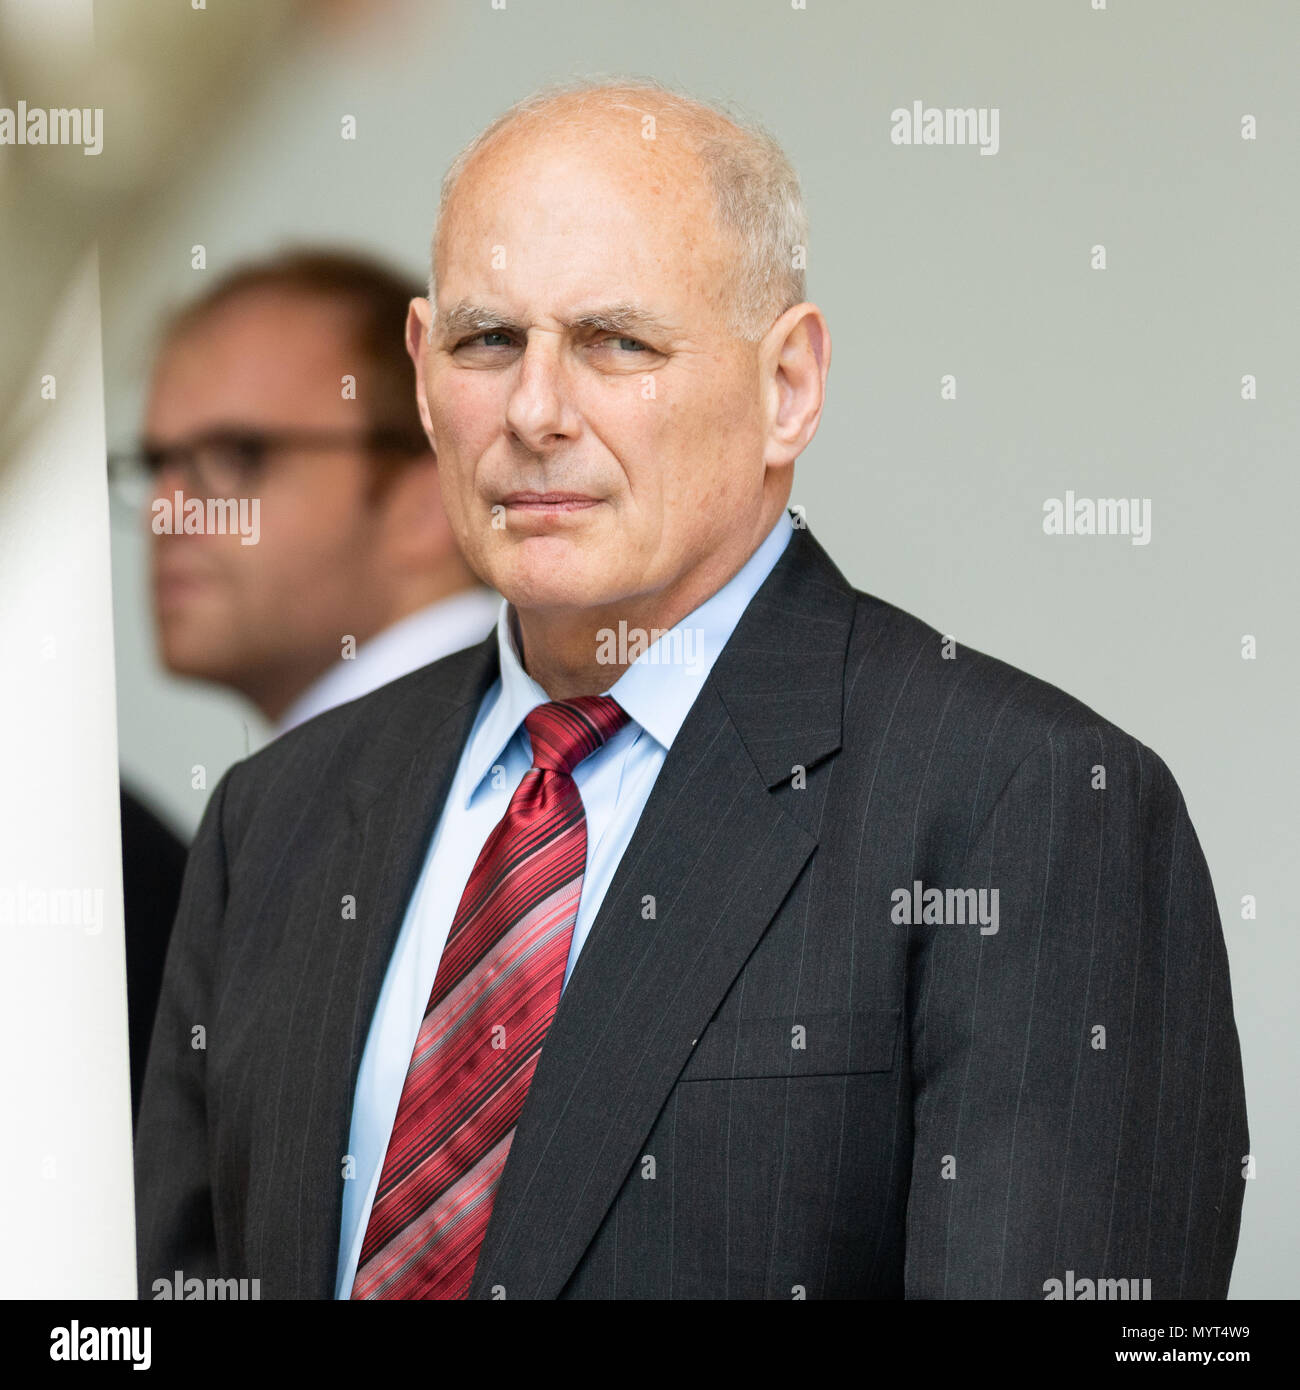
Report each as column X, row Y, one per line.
column 716, row 854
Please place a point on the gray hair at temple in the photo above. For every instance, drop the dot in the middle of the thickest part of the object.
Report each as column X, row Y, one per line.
column 755, row 188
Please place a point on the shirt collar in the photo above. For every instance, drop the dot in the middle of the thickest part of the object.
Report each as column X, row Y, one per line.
column 657, row 689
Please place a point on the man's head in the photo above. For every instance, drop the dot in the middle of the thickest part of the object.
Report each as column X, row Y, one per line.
column 352, row 534
column 618, row 318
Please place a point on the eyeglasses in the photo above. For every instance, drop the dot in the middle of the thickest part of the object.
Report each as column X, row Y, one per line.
column 230, row 462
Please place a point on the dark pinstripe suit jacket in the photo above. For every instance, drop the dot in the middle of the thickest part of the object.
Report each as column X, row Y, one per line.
column 772, row 1089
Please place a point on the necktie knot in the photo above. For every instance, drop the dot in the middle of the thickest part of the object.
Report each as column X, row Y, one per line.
column 564, row 732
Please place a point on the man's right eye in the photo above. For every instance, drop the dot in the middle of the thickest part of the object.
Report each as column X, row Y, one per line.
column 479, row 338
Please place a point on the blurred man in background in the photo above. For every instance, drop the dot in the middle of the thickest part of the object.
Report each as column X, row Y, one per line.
column 289, row 382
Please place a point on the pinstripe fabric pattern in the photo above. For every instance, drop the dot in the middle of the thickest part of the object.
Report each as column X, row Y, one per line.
column 496, row 991
column 766, row 1088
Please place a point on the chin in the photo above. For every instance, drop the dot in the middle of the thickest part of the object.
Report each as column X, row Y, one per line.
column 555, row 584
column 187, row 650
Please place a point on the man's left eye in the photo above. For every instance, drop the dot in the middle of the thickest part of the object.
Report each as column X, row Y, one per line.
column 627, row 344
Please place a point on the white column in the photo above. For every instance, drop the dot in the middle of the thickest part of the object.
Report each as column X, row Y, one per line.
column 66, row 1201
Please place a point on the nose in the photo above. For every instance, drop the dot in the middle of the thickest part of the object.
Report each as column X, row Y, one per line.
column 540, row 411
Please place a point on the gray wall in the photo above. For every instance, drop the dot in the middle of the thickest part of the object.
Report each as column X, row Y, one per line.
column 1120, row 127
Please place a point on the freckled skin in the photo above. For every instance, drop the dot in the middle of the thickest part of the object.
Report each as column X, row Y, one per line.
column 685, row 438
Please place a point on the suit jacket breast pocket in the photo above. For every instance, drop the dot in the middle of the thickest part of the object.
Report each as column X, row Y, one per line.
column 795, row 1044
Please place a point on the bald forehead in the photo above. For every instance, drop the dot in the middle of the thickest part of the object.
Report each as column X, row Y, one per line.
column 654, row 162
column 577, row 209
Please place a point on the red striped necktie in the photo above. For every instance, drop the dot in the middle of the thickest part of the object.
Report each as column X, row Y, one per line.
column 497, row 989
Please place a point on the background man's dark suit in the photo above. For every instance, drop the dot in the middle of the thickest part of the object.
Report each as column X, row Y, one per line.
column 153, row 868
column 674, row 1143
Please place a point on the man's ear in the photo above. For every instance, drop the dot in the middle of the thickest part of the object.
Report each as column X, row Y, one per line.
column 419, row 317
column 795, row 357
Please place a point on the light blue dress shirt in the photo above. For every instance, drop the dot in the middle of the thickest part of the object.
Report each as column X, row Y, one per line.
column 657, row 691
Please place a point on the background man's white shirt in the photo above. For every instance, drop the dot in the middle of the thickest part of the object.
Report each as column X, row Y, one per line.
column 463, row 620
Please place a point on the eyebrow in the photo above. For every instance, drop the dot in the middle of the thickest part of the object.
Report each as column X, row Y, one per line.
column 610, row 318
